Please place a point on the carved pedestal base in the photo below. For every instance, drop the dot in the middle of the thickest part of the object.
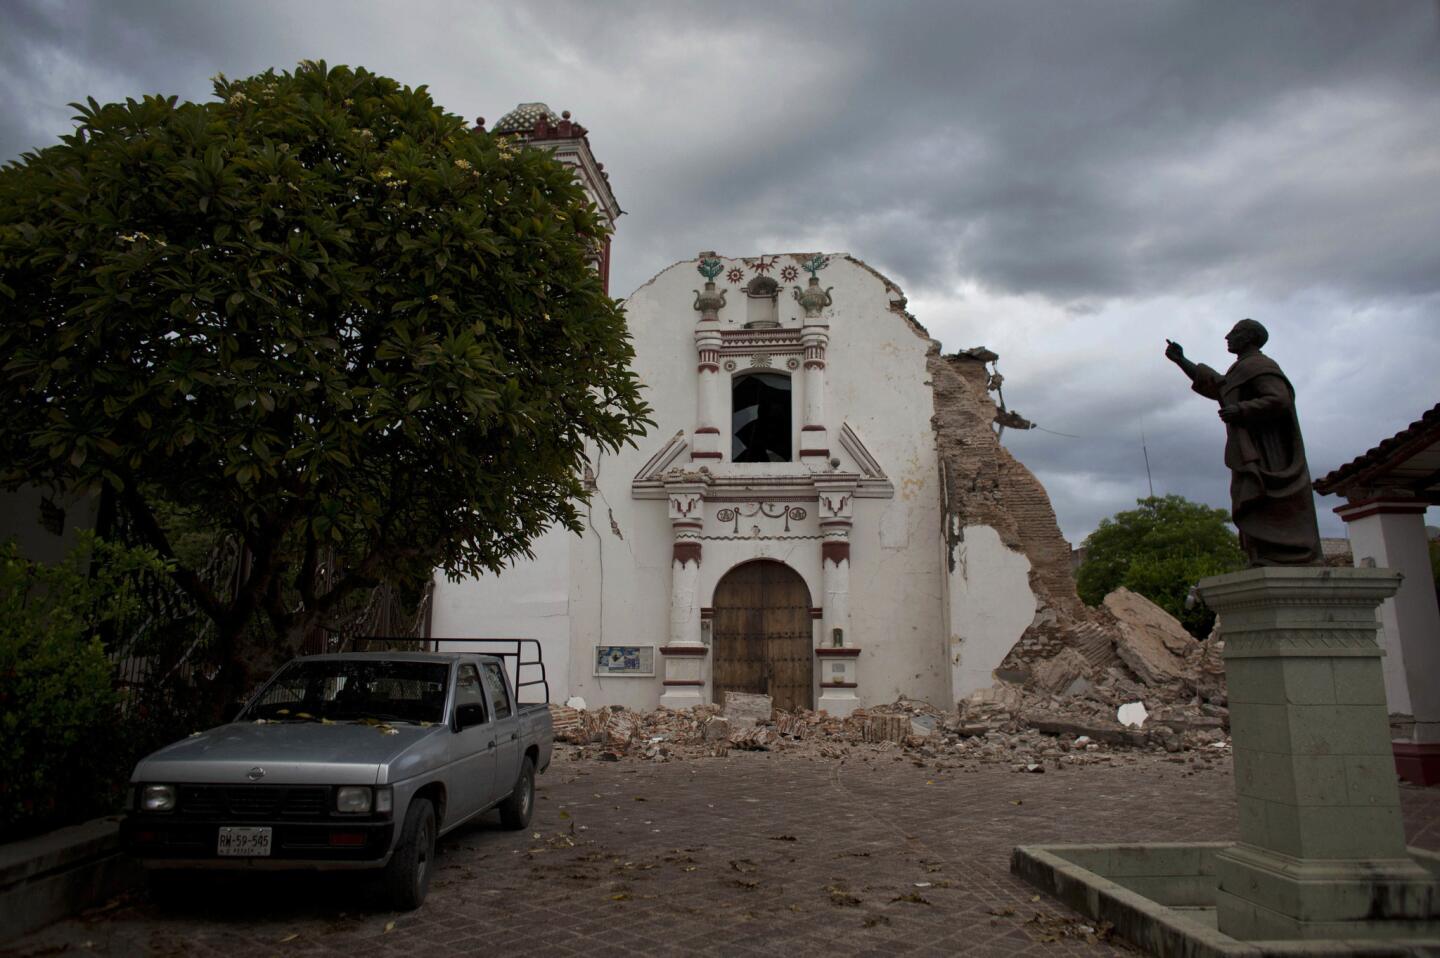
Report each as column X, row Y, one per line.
column 837, row 670
column 1322, row 848
column 684, row 676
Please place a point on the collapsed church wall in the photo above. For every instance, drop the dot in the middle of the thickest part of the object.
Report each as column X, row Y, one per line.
column 990, row 501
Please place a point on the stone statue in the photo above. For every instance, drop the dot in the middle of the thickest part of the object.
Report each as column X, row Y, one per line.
column 1270, row 496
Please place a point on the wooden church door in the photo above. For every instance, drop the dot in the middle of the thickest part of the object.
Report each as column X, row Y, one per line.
column 761, row 634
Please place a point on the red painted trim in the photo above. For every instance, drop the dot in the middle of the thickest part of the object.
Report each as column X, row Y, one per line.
column 708, row 368
column 706, row 612
column 1417, row 762
column 692, row 683
column 816, row 613
column 684, row 552
column 812, row 428
column 836, row 552
column 814, row 452
column 707, row 431
column 839, row 685
column 686, row 524
column 1380, row 507
column 830, row 652
column 707, row 455
column 814, row 364
column 684, row 650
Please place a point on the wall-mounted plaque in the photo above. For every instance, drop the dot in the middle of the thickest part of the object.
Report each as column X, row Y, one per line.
column 624, row 660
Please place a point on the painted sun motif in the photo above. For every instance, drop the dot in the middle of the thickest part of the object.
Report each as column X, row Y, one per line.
column 789, row 274
column 763, row 265
column 735, row 275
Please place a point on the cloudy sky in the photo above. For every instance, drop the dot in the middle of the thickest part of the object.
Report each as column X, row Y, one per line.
column 1066, row 182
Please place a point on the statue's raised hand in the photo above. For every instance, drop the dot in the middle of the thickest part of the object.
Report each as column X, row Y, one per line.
column 1174, row 352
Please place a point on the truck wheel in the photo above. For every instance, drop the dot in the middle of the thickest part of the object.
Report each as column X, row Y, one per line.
column 517, row 807
column 407, row 876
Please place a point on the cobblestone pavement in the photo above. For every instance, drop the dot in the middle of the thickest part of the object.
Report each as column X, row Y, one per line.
column 750, row 854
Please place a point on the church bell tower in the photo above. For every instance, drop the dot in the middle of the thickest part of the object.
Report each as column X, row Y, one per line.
column 535, row 124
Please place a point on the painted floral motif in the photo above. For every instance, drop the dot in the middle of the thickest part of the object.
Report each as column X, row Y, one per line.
column 815, row 263
column 735, row 275
column 789, row 273
column 763, row 265
column 760, row 361
column 710, row 268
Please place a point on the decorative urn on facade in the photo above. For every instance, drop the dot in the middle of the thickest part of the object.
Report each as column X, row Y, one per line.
column 711, row 300
column 812, row 298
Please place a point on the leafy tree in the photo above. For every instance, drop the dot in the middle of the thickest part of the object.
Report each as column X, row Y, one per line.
column 317, row 313
column 1160, row 550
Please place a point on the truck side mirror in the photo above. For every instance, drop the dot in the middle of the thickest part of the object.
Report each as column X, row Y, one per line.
column 471, row 713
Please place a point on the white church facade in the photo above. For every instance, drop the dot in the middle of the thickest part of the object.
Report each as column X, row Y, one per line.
column 784, row 526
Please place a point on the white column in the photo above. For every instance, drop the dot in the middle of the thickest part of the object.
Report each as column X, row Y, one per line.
column 709, row 409
column 1390, row 533
column 839, row 682
column 684, row 655
column 814, row 437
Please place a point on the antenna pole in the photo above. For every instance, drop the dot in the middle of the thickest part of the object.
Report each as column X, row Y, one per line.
column 1146, row 451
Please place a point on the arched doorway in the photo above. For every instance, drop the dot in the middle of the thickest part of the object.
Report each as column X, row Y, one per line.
column 761, row 634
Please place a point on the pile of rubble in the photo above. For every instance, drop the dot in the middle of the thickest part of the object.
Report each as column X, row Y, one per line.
column 1164, row 691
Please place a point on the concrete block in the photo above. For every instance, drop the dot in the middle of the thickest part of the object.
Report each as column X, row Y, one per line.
column 1253, row 681
column 1308, row 681
column 1348, row 831
column 745, row 708
column 1370, row 780
column 1318, row 780
column 1338, row 730
column 1358, row 682
column 1262, row 727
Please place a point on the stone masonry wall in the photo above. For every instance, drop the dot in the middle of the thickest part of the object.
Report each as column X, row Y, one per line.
column 985, row 485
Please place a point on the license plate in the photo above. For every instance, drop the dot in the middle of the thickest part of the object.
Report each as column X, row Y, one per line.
column 244, row 842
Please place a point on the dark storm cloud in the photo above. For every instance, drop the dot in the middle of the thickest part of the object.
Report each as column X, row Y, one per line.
column 1068, row 183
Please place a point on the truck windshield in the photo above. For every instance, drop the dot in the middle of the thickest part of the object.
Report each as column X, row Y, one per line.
column 341, row 690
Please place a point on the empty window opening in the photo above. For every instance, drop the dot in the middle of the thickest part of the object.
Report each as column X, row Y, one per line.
column 760, row 423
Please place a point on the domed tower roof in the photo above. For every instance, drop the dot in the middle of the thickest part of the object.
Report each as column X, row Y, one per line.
column 522, row 118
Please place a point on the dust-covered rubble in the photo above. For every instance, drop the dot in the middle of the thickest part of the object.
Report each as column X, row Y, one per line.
column 1065, row 711
column 1009, row 725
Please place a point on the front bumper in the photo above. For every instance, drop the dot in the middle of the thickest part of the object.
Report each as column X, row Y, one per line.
column 165, row 841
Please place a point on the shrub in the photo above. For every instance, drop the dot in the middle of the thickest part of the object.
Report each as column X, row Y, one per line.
column 61, row 743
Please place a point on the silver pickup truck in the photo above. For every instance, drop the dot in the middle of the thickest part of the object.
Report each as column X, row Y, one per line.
column 357, row 760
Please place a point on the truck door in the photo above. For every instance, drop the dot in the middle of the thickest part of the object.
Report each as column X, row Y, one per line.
column 507, row 729
column 473, row 746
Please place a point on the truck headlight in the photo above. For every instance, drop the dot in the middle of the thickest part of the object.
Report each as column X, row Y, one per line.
column 157, row 798
column 353, row 799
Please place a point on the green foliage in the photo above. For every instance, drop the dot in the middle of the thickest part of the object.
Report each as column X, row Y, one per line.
column 1160, row 550
column 319, row 314
column 60, row 742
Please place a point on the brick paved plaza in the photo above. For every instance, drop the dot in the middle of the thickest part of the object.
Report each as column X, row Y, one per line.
column 750, row 854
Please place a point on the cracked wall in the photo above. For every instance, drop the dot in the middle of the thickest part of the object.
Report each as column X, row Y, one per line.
column 985, row 489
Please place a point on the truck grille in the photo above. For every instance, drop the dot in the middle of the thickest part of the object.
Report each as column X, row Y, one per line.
column 252, row 802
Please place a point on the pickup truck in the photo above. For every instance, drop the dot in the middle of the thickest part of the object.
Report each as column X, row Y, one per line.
column 345, row 761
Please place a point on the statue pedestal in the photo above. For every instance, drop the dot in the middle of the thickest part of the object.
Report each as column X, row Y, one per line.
column 1322, row 845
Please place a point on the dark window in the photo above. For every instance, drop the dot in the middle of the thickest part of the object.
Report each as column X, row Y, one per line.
column 353, row 690
column 469, row 700
column 760, row 423
column 499, row 694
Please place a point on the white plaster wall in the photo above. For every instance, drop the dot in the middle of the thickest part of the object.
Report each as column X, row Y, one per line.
column 875, row 381
column 619, row 577
column 530, row 600
column 990, row 607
